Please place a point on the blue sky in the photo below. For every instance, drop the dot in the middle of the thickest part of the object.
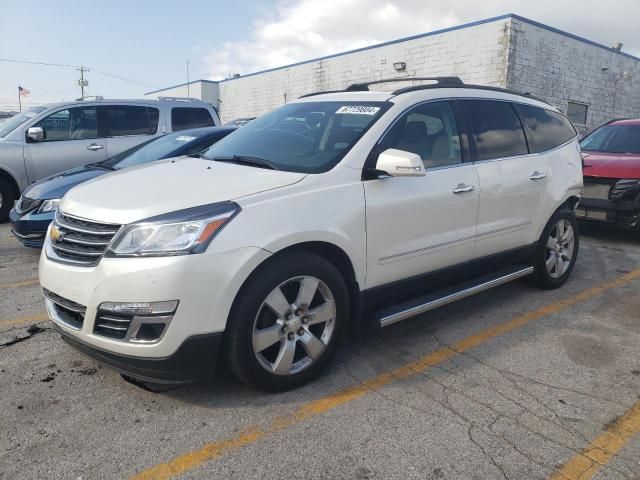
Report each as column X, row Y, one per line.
column 149, row 41
column 143, row 41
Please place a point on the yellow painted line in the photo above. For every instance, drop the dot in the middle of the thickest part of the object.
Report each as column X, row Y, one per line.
column 214, row 450
column 22, row 283
column 601, row 450
column 12, row 322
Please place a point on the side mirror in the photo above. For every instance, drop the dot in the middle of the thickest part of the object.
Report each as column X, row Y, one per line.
column 36, row 134
column 399, row 163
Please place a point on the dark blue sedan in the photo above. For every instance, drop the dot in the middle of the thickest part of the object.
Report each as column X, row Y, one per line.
column 37, row 206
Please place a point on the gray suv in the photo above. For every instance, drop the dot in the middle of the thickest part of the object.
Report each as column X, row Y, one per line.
column 45, row 140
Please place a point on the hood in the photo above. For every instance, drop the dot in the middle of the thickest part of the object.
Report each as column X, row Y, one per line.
column 57, row 185
column 611, row 165
column 162, row 187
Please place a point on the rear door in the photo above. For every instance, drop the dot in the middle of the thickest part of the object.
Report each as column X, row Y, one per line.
column 73, row 138
column 512, row 182
column 127, row 125
column 417, row 225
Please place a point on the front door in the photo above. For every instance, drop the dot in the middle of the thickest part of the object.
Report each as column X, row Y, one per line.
column 72, row 139
column 417, row 225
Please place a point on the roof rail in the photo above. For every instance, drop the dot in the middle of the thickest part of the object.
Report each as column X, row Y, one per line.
column 618, row 120
column 180, row 99
column 440, row 82
column 95, row 98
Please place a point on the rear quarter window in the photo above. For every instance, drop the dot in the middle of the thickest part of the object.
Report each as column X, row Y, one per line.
column 545, row 129
column 190, row 117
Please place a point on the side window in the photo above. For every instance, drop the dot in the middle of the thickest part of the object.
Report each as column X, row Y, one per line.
column 545, row 129
column 188, row 117
column 127, row 120
column 428, row 130
column 577, row 112
column 76, row 123
column 496, row 129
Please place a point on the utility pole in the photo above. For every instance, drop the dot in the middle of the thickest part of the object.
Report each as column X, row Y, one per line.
column 188, row 91
column 82, row 82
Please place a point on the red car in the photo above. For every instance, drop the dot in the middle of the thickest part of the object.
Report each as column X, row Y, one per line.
column 611, row 166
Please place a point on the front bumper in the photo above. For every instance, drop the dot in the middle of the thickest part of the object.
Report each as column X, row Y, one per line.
column 30, row 228
column 205, row 286
column 625, row 213
column 194, row 360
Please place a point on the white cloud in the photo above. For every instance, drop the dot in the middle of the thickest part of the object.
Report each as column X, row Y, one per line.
column 303, row 29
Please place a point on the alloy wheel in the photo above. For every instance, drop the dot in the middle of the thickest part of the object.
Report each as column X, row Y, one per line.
column 560, row 248
column 294, row 325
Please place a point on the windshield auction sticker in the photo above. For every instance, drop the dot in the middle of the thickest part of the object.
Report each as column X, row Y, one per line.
column 358, row 110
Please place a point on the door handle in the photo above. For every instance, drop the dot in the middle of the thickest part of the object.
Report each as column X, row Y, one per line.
column 94, row 147
column 537, row 176
column 462, row 188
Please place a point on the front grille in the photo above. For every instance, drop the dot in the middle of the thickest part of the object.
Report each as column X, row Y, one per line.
column 66, row 311
column 25, row 204
column 597, row 190
column 80, row 241
column 112, row 326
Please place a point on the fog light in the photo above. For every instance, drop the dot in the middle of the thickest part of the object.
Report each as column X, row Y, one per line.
column 140, row 308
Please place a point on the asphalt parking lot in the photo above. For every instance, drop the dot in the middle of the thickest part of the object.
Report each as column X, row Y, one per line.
column 515, row 383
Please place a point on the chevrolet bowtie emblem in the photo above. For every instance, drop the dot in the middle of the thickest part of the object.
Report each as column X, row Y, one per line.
column 56, row 235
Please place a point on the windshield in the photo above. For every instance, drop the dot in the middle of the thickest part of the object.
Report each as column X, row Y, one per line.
column 152, row 150
column 10, row 124
column 613, row 139
column 308, row 137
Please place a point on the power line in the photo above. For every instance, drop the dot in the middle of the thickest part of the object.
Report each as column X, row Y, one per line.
column 67, row 65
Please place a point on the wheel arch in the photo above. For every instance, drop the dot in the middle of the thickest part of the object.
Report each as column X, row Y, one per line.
column 335, row 255
column 8, row 176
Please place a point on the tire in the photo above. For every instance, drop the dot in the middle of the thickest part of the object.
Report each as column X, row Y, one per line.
column 275, row 351
column 7, row 199
column 554, row 260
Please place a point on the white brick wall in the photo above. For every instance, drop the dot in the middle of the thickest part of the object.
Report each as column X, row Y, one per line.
column 509, row 52
column 559, row 69
column 477, row 54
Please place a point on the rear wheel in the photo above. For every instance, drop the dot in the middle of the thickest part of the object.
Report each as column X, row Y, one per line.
column 557, row 250
column 287, row 322
column 7, row 199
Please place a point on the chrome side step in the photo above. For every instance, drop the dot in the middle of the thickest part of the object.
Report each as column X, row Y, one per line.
column 389, row 316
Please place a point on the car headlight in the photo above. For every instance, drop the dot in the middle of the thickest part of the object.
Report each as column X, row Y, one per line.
column 49, row 205
column 178, row 233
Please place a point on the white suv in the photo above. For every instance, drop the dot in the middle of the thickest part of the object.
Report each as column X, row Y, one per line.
column 338, row 211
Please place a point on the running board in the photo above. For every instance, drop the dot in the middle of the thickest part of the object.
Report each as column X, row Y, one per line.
column 389, row 316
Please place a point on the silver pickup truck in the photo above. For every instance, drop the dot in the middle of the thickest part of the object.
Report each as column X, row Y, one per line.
column 41, row 141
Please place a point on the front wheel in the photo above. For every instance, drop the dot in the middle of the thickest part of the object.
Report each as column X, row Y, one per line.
column 557, row 250
column 7, row 198
column 286, row 322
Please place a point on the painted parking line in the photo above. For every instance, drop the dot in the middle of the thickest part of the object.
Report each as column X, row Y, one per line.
column 214, row 450
column 22, row 283
column 12, row 322
column 601, row 450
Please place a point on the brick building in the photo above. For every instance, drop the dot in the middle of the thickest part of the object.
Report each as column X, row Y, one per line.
column 592, row 82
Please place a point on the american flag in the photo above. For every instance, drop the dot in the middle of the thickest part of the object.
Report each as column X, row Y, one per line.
column 23, row 91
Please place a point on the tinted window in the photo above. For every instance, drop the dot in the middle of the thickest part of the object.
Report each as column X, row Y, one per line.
column 71, row 124
column 496, row 129
column 545, row 129
column 577, row 112
column 184, row 117
column 613, row 139
column 125, row 120
column 308, row 137
column 428, row 130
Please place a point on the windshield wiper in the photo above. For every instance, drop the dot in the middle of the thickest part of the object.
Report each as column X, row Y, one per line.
column 246, row 160
column 101, row 165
